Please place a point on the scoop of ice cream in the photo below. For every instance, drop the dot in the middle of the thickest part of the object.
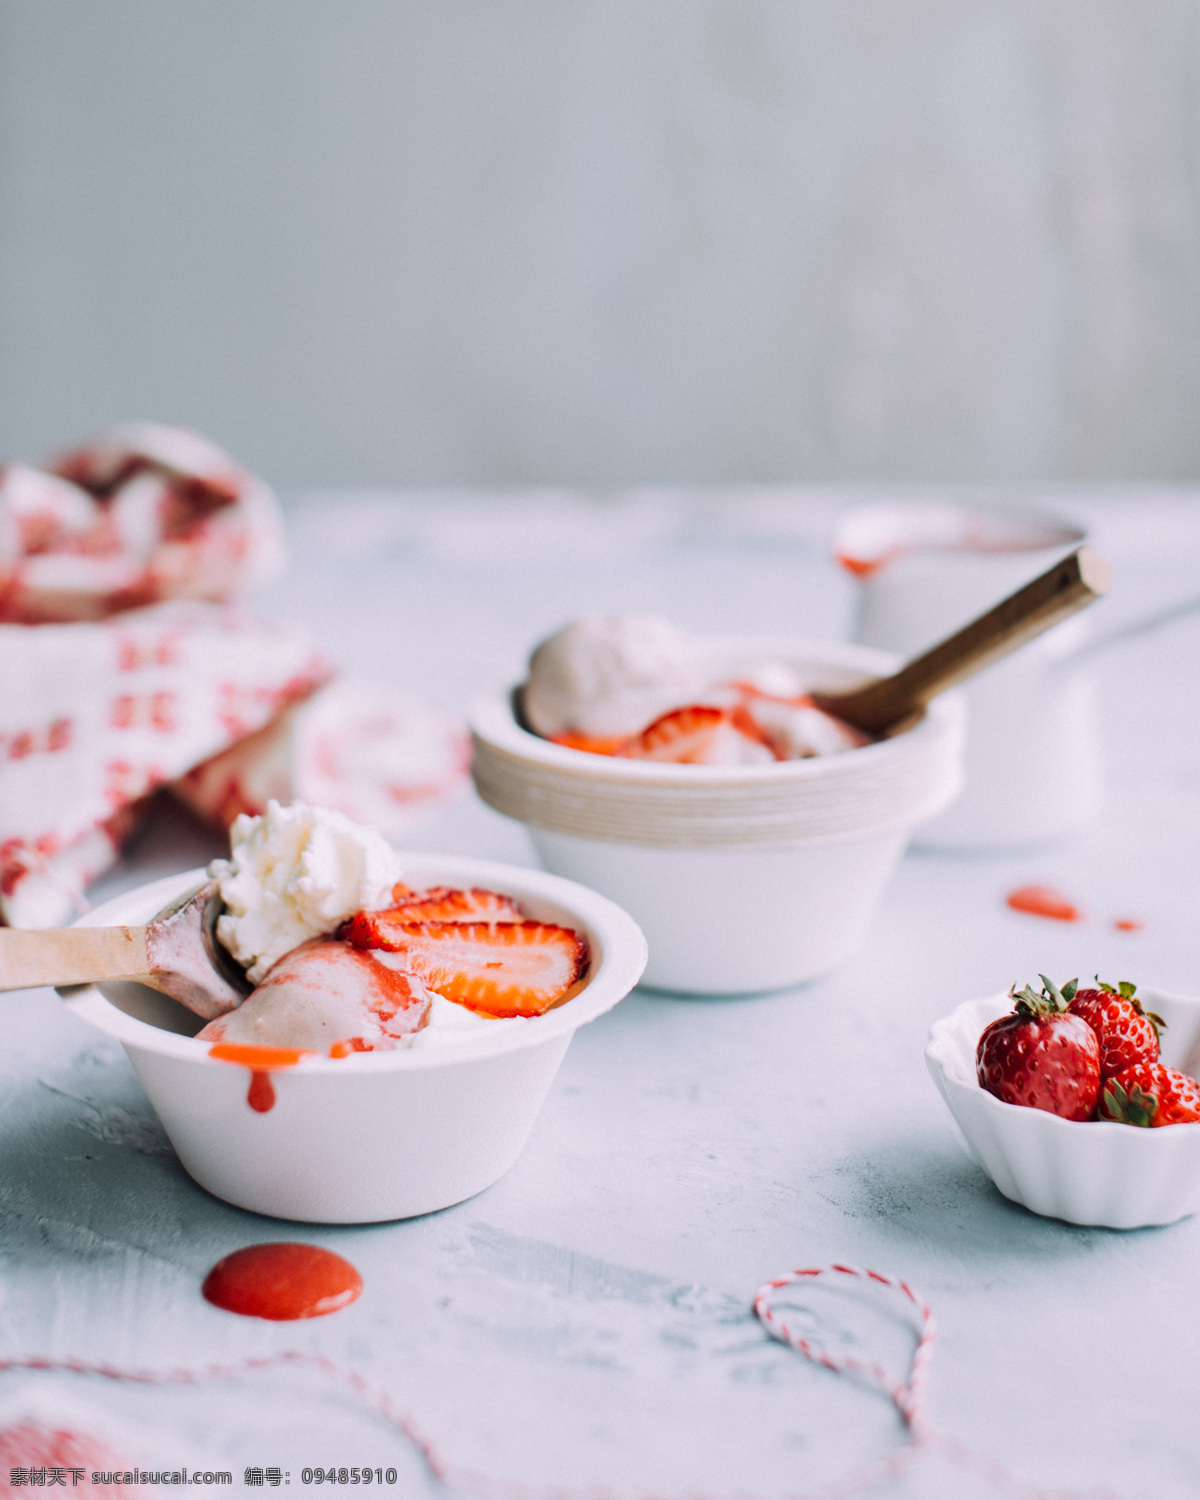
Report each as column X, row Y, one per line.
column 610, row 676
column 330, row 996
column 800, row 730
column 295, row 873
column 324, row 993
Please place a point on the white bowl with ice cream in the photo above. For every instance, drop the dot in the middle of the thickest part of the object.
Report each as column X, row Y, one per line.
column 374, row 1135
column 744, row 877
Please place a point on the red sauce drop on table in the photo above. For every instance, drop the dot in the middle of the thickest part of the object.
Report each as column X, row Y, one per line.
column 282, row 1281
column 1128, row 924
column 863, row 567
column 1044, row 901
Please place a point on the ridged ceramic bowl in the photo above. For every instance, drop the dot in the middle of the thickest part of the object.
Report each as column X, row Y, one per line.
column 1095, row 1173
column 743, row 878
column 376, row 1135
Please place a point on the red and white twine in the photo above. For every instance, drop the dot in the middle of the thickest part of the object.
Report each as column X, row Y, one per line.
column 907, row 1394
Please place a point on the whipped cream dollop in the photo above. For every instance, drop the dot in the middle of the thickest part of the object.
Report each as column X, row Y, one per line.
column 610, row 676
column 295, row 873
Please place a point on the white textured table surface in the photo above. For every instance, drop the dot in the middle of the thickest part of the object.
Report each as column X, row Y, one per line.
column 586, row 1322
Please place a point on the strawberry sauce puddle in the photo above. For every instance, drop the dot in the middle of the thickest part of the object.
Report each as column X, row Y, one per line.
column 282, row 1281
column 1043, row 901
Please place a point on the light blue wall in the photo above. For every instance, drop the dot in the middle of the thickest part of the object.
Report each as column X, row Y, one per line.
column 449, row 241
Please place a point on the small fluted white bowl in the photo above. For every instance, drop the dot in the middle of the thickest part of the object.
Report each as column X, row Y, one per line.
column 1095, row 1172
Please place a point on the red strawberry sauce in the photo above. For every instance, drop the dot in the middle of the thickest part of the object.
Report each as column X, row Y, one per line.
column 864, row 567
column 1043, row 901
column 260, row 1060
column 282, row 1281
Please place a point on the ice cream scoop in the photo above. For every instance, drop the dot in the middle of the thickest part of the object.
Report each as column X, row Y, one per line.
column 609, row 676
column 176, row 952
column 328, row 996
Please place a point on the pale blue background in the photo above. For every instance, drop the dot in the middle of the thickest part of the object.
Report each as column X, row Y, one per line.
column 397, row 242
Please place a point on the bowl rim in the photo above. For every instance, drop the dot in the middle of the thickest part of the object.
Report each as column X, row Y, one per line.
column 493, row 721
column 622, row 945
column 942, row 1053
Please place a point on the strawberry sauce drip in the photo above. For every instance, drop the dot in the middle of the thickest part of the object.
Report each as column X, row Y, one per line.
column 282, row 1281
column 260, row 1096
column 1128, row 924
column 1043, row 901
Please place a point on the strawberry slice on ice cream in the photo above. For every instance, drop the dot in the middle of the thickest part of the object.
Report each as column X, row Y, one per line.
column 500, row 968
column 700, row 735
column 368, row 929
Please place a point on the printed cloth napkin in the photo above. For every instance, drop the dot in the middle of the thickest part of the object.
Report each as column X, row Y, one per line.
column 123, row 670
column 93, row 717
column 119, row 668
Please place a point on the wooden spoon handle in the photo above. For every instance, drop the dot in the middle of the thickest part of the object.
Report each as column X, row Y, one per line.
column 1066, row 587
column 70, row 955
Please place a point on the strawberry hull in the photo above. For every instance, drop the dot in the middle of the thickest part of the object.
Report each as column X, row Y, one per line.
column 1095, row 1173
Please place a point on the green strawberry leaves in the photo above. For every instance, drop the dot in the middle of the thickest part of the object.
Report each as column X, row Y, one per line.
column 1051, row 1002
column 1136, row 1107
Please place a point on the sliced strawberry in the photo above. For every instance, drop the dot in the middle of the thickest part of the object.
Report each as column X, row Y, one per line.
column 594, row 744
column 745, row 722
column 448, row 904
column 685, row 736
column 500, row 968
column 370, row 929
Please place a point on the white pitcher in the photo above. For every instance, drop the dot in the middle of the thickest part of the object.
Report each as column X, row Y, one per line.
column 1033, row 765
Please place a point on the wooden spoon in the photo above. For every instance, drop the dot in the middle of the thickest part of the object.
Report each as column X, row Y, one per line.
column 890, row 704
column 177, row 952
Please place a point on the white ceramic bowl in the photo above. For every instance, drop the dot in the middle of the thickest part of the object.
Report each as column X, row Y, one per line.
column 373, row 1136
column 743, row 878
column 1095, row 1172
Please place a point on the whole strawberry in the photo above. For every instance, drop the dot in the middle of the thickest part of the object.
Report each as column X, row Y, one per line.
column 1151, row 1094
column 1041, row 1056
column 1127, row 1034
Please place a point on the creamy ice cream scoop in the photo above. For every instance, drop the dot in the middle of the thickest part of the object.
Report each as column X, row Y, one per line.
column 323, row 994
column 609, row 676
column 331, row 997
column 295, row 873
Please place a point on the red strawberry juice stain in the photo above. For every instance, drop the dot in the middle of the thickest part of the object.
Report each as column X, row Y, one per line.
column 864, row 567
column 260, row 1096
column 1128, row 924
column 1043, row 901
column 282, row 1281
column 29, row 1445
